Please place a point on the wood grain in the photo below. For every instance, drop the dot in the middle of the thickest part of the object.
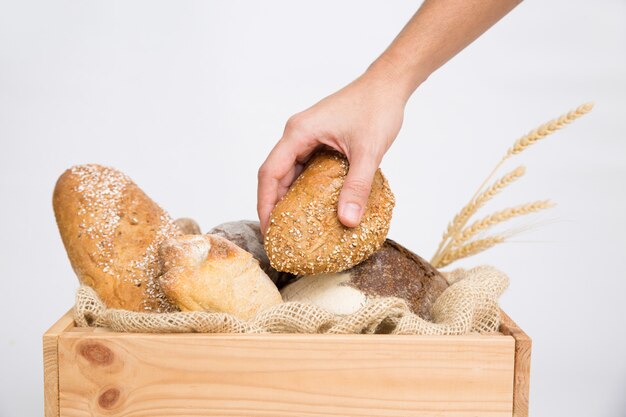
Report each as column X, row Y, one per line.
column 523, row 347
column 50, row 364
column 105, row 373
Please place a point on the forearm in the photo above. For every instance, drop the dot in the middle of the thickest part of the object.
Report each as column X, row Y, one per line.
column 439, row 30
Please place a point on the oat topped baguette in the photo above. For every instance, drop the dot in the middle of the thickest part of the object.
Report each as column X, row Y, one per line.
column 112, row 232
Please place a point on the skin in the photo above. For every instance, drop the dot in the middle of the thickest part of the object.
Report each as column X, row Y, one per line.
column 363, row 119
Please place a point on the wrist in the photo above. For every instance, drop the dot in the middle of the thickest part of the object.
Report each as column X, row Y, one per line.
column 398, row 75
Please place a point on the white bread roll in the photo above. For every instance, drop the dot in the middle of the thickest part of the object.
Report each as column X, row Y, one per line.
column 210, row 273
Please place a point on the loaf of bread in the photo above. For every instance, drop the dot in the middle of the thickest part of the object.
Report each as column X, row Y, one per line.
column 392, row 271
column 187, row 226
column 304, row 234
column 210, row 273
column 112, row 232
column 247, row 235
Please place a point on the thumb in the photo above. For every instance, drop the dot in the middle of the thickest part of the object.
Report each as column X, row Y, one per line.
column 356, row 188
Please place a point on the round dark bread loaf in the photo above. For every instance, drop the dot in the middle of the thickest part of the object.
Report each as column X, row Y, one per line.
column 392, row 271
column 305, row 235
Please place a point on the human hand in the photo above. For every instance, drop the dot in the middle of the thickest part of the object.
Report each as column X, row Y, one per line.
column 361, row 121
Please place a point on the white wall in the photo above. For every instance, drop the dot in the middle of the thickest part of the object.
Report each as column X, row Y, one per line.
column 188, row 97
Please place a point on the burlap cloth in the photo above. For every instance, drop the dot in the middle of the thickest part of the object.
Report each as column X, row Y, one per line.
column 470, row 304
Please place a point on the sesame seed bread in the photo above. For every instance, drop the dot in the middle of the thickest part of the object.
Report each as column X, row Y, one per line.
column 210, row 273
column 112, row 231
column 305, row 236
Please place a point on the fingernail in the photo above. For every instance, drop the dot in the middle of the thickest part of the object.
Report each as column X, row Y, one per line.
column 351, row 213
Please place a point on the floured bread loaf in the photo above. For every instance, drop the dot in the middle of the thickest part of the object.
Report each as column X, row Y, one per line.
column 247, row 235
column 112, row 231
column 306, row 237
column 210, row 273
column 392, row 271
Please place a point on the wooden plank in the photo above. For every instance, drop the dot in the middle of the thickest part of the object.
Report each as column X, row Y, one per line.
column 50, row 364
column 523, row 347
column 285, row 375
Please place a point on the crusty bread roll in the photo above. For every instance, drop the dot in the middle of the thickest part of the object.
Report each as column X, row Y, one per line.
column 188, row 226
column 247, row 235
column 210, row 273
column 392, row 271
column 306, row 237
column 112, row 231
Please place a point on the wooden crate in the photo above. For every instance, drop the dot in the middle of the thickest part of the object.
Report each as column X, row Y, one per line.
column 95, row 372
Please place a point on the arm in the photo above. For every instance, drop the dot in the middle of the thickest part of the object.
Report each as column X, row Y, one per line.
column 439, row 30
column 363, row 119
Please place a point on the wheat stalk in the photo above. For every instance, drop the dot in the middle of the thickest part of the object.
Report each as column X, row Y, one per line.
column 468, row 211
column 500, row 217
column 498, row 186
column 480, row 197
column 469, row 249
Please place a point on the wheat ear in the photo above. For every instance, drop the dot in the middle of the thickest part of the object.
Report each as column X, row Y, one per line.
column 480, row 200
column 541, row 132
column 499, row 217
column 470, row 249
column 547, row 128
column 498, row 186
column 460, row 220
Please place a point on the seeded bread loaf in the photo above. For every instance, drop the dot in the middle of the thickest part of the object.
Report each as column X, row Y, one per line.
column 304, row 234
column 112, row 232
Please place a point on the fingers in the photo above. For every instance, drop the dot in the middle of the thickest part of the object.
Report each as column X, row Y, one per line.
column 356, row 187
column 277, row 165
column 287, row 180
column 281, row 168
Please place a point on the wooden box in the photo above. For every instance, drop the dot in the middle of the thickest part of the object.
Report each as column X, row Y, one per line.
column 95, row 372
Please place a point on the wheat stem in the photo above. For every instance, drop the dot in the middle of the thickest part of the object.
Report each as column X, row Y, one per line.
column 460, row 220
column 499, row 185
column 469, row 249
column 468, row 211
column 479, row 201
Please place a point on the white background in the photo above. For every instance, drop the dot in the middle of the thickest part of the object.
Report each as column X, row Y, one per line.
column 189, row 97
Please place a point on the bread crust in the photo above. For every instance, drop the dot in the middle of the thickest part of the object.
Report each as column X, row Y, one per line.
column 305, row 236
column 188, row 226
column 395, row 271
column 210, row 273
column 392, row 271
column 247, row 235
column 111, row 231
